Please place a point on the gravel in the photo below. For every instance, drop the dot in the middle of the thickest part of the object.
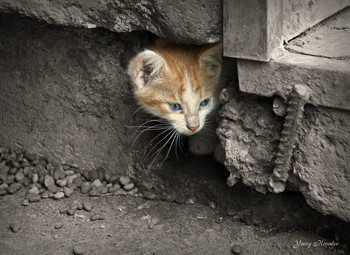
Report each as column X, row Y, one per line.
column 96, row 183
column 35, row 178
column 58, row 195
column 62, row 183
column 68, row 191
column 34, row 198
column 85, row 187
column 48, row 181
column 47, row 194
column 129, row 186
column 87, row 206
column 19, row 176
column 149, row 195
column 58, row 225
column 78, row 250
column 114, row 188
column 236, row 249
column 53, row 188
column 97, row 216
column 3, row 192
column 34, row 190
column 70, row 212
column 25, row 202
column 14, row 187
column 15, row 227
column 49, row 178
column 124, row 180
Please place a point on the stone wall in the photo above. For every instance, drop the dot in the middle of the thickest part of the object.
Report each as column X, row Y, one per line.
column 190, row 21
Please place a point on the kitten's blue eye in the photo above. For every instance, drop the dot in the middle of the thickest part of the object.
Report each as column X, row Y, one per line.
column 175, row 107
column 205, row 102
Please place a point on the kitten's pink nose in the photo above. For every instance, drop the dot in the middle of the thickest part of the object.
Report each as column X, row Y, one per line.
column 193, row 128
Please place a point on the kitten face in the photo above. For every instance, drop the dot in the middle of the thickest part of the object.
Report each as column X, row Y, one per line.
column 178, row 83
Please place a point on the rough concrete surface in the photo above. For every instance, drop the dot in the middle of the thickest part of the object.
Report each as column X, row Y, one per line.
column 321, row 160
column 328, row 39
column 249, row 133
column 65, row 92
column 300, row 15
column 185, row 21
column 319, row 166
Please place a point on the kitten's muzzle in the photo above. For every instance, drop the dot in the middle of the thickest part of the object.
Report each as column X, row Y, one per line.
column 192, row 128
column 192, row 122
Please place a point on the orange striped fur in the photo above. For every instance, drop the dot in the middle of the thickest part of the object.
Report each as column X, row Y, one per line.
column 168, row 74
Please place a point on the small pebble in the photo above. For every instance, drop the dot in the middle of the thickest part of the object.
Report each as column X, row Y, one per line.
column 180, row 199
column 59, row 174
column 80, row 216
column 85, row 187
column 70, row 211
column 58, row 225
column 149, row 195
column 190, row 200
column 15, row 227
column 53, row 188
column 62, row 183
column 55, row 236
column 48, row 181
column 34, row 198
column 129, row 186
column 14, row 187
column 71, row 178
column 47, row 194
column 120, row 192
column 103, row 190
column 114, row 188
column 69, row 172
column 3, row 192
column 35, row 178
column 93, row 175
column 96, row 183
column 236, row 249
column 4, row 186
column 68, row 191
column 133, row 191
column 78, row 250
column 114, row 179
column 76, row 205
column 87, row 206
column 72, row 186
column 58, row 195
column 94, row 192
column 25, row 202
column 62, row 211
column 78, row 181
column 124, row 180
column 13, row 170
column 34, row 190
column 97, row 217
column 102, row 226
column 19, row 176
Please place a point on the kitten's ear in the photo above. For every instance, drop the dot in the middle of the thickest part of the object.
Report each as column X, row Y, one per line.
column 212, row 60
column 145, row 67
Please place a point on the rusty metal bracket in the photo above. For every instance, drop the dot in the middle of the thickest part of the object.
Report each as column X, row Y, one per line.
column 298, row 97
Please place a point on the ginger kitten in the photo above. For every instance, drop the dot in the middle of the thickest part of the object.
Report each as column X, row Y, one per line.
column 178, row 83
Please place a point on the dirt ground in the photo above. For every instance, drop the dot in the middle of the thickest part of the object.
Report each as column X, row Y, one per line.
column 252, row 224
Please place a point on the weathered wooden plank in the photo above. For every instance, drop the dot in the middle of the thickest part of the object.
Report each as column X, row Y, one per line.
column 299, row 15
column 252, row 28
